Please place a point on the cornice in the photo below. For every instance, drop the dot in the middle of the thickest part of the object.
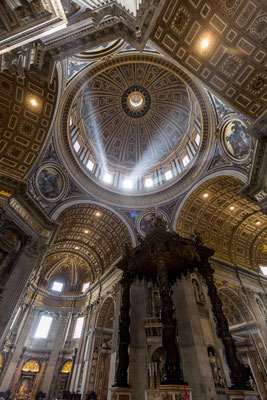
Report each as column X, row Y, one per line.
column 226, row 266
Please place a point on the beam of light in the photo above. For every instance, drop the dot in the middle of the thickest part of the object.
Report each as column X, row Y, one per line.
column 97, row 139
column 144, row 164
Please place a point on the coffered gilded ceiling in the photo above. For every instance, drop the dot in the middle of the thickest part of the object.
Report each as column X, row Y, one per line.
column 89, row 240
column 230, row 224
column 223, row 43
column 26, row 110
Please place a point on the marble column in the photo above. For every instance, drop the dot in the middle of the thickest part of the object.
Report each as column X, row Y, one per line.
column 25, row 326
column 137, row 368
column 195, row 362
column 31, row 255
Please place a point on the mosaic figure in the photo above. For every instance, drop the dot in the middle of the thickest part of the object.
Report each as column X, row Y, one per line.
column 236, row 139
column 50, row 183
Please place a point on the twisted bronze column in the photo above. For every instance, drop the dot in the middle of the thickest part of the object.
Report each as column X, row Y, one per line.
column 172, row 372
column 124, row 331
column 239, row 373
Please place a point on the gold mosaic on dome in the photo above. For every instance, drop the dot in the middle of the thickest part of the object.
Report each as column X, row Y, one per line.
column 227, row 222
column 223, row 44
column 66, row 367
column 31, row 366
column 89, row 240
column 26, row 110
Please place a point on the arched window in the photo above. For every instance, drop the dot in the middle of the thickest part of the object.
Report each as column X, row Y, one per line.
column 57, row 285
column 43, row 327
column 31, row 366
column 66, row 368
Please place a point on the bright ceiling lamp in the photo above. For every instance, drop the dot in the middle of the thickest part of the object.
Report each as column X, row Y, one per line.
column 128, row 184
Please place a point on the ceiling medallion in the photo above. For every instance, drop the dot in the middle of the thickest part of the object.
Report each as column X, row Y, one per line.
column 135, row 101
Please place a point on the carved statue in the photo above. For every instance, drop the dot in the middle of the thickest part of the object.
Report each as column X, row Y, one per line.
column 198, row 292
column 214, row 366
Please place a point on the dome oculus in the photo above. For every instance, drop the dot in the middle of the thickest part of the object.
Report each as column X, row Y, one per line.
column 136, row 101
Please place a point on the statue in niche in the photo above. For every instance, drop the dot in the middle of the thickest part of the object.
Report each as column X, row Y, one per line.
column 217, row 373
column 156, row 304
column 198, row 292
column 157, row 367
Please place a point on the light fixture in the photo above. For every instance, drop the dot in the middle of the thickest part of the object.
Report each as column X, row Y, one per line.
column 204, row 43
column 33, row 102
column 232, row 208
column 86, row 231
column 76, row 248
column 258, row 222
column 205, row 195
column 127, row 184
column 97, row 214
column 107, row 177
column 168, row 175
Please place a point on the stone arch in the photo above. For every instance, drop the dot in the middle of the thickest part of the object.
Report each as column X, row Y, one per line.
column 88, row 242
column 106, row 314
column 155, row 366
column 235, row 309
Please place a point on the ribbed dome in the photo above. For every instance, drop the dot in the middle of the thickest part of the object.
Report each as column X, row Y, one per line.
column 135, row 113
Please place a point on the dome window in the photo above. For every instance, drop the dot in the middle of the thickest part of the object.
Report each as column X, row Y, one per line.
column 107, row 178
column 85, row 286
column 197, row 139
column 76, row 146
column 90, row 165
column 186, row 160
column 168, row 175
column 128, row 184
column 148, row 182
column 57, row 286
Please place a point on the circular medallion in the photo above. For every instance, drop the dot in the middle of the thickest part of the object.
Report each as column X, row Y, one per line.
column 236, row 140
column 135, row 101
column 145, row 223
column 50, row 183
